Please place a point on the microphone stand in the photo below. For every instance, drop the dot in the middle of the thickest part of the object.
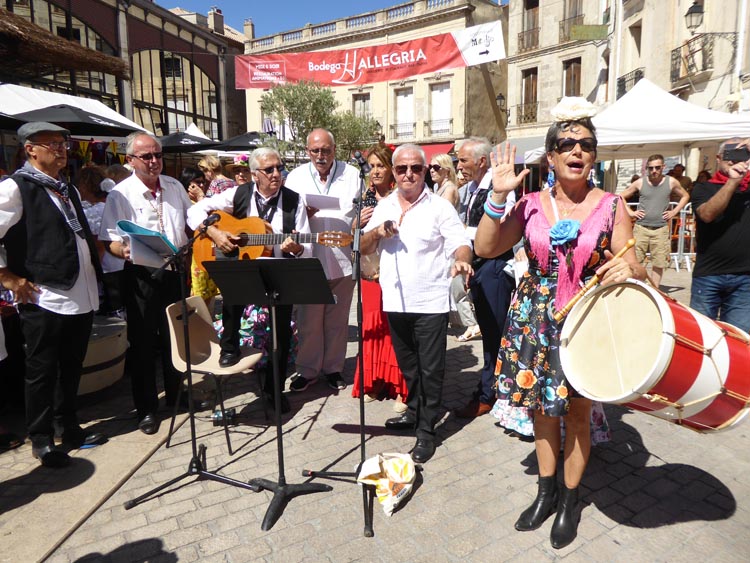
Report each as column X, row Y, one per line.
column 197, row 464
column 368, row 491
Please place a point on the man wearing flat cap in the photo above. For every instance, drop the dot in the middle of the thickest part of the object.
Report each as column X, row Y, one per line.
column 47, row 259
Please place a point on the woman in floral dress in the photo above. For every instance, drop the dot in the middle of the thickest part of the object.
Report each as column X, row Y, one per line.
column 571, row 232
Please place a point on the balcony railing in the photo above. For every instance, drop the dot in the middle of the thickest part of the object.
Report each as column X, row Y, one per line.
column 528, row 40
column 403, row 130
column 526, row 113
column 695, row 56
column 438, row 128
column 567, row 24
column 627, row 81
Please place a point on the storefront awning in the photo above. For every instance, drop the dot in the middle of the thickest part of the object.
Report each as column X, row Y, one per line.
column 436, row 148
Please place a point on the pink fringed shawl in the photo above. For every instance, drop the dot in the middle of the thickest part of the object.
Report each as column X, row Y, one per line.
column 537, row 229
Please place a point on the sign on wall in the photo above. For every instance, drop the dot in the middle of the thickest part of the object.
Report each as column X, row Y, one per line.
column 365, row 65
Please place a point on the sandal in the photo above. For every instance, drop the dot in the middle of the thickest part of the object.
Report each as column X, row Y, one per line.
column 9, row 441
column 472, row 333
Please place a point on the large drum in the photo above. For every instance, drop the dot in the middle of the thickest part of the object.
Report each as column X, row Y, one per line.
column 104, row 364
column 628, row 343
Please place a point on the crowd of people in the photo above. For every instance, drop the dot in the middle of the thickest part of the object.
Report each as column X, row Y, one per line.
column 425, row 252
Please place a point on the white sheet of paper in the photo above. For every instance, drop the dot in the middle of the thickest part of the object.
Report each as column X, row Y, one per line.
column 320, row 201
column 142, row 255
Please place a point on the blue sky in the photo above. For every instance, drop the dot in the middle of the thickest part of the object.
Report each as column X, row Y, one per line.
column 282, row 15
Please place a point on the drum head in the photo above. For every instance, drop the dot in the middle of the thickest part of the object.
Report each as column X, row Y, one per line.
column 612, row 343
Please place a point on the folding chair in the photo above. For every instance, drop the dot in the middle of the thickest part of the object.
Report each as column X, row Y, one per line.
column 204, row 353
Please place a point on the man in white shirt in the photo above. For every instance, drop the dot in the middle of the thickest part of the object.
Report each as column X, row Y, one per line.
column 160, row 203
column 48, row 260
column 323, row 329
column 421, row 239
column 286, row 212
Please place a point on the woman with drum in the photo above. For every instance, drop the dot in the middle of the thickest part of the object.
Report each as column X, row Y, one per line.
column 571, row 233
column 382, row 376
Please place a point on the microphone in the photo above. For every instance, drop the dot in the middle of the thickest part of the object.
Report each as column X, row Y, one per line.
column 210, row 220
column 361, row 162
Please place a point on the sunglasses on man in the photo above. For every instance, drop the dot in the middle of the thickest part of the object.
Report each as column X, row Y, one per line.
column 401, row 169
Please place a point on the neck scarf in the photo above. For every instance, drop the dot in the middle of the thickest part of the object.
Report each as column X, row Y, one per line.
column 60, row 189
column 720, row 178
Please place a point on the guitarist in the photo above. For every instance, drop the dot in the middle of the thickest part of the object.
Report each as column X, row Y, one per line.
column 265, row 197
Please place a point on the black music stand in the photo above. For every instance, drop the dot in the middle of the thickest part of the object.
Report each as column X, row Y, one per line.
column 197, row 465
column 274, row 282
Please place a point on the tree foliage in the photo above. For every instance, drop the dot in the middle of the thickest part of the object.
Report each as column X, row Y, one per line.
column 307, row 105
column 302, row 107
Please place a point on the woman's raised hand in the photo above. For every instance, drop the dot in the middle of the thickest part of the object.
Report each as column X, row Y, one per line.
column 504, row 177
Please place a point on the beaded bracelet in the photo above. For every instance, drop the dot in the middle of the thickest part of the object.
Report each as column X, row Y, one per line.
column 492, row 211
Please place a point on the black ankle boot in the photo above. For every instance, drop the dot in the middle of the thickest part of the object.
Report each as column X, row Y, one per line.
column 543, row 506
column 565, row 527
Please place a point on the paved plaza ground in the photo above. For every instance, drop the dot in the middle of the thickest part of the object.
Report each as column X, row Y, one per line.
column 656, row 492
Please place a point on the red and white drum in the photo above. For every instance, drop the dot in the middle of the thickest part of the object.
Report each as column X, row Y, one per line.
column 628, row 343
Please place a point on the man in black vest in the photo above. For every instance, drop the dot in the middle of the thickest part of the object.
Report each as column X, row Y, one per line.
column 491, row 286
column 285, row 211
column 50, row 264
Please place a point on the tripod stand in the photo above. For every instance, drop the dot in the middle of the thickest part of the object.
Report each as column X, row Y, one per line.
column 197, row 464
column 274, row 282
column 368, row 491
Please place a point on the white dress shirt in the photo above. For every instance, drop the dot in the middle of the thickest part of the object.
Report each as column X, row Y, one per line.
column 224, row 201
column 83, row 297
column 131, row 200
column 343, row 182
column 415, row 263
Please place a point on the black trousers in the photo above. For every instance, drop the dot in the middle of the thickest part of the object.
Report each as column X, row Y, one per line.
column 55, row 349
column 419, row 341
column 145, row 302
column 230, row 339
column 491, row 289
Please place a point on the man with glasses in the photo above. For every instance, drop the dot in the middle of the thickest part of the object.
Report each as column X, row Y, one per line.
column 49, row 261
column 492, row 285
column 651, row 229
column 421, row 239
column 323, row 329
column 286, row 212
column 721, row 276
column 160, row 203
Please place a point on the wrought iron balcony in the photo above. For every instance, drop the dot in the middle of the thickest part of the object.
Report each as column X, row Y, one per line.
column 567, row 24
column 528, row 40
column 697, row 55
column 627, row 81
column 402, row 131
column 527, row 113
column 438, row 128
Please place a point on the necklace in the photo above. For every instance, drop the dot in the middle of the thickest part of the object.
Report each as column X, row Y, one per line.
column 565, row 212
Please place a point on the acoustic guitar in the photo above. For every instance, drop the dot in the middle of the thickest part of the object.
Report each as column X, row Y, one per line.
column 257, row 239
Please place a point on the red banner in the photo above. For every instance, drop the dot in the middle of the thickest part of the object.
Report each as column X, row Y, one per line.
column 364, row 65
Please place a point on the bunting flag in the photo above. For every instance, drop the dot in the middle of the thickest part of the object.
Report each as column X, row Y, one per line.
column 379, row 63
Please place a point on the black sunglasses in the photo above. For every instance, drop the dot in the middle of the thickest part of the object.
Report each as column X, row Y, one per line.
column 402, row 168
column 148, row 156
column 435, row 167
column 268, row 170
column 567, row 144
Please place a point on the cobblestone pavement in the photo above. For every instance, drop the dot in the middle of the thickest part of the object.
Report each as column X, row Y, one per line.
column 656, row 492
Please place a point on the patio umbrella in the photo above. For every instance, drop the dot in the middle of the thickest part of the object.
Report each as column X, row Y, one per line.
column 184, row 142
column 247, row 141
column 10, row 122
column 78, row 121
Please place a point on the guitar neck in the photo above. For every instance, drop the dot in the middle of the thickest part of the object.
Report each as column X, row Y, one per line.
column 250, row 239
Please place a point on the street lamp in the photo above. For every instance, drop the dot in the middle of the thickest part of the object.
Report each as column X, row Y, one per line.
column 694, row 17
column 500, row 101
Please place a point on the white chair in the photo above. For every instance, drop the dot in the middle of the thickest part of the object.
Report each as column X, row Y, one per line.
column 204, row 352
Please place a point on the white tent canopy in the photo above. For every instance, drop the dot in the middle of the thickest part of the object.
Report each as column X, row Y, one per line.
column 16, row 99
column 650, row 120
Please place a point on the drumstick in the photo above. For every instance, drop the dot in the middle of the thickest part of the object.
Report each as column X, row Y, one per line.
column 560, row 315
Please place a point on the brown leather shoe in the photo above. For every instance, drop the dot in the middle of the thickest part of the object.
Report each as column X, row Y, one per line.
column 474, row 409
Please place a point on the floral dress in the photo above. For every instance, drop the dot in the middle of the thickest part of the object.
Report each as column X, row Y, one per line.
column 530, row 376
